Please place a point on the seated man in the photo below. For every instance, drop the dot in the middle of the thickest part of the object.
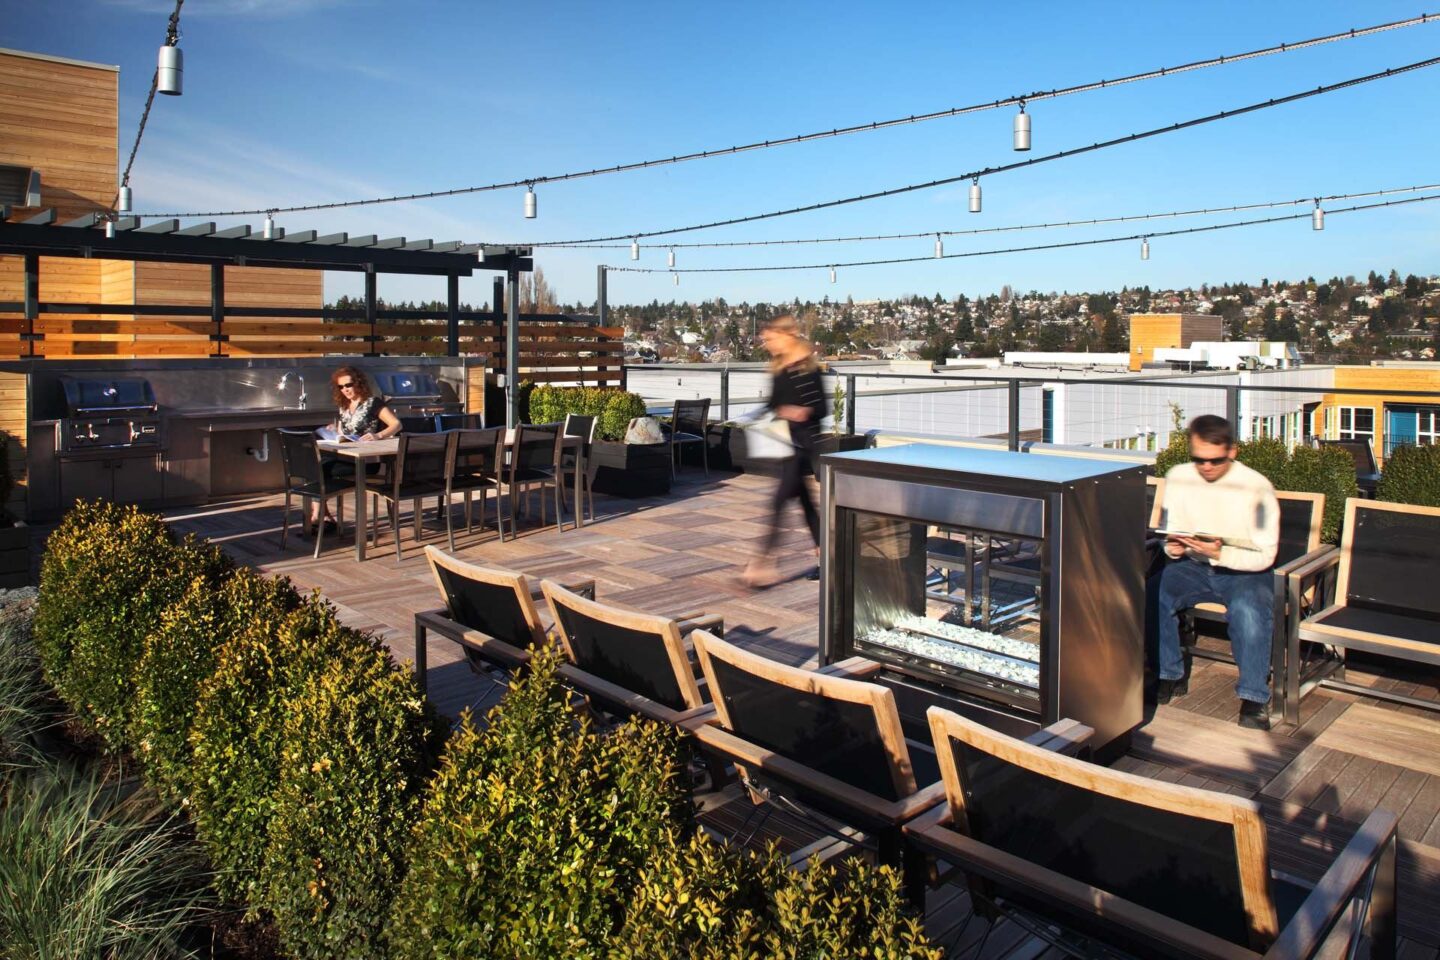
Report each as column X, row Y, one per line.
column 1234, row 507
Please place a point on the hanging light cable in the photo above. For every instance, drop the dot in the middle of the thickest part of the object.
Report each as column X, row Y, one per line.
column 171, row 68
column 1022, row 128
column 1317, row 219
column 975, row 195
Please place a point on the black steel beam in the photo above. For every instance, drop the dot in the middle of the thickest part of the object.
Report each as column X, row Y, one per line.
column 217, row 306
column 452, row 321
column 32, row 299
column 370, row 309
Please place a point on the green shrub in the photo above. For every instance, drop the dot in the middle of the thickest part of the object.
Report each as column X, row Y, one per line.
column 708, row 902
column 1266, row 456
column 536, row 831
column 1327, row 470
column 1411, row 475
column 620, row 408
column 237, row 737
column 359, row 745
column 24, row 712
column 179, row 655
column 84, row 873
column 108, row 575
column 1176, row 452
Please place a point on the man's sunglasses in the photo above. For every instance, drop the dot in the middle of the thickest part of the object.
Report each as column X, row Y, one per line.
column 346, row 385
column 1209, row 461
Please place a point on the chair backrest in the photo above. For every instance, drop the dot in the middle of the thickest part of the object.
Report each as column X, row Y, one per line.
column 479, row 451
column 534, row 446
column 1155, row 501
column 488, row 600
column 417, row 424
column 637, row 651
column 1389, row 553
column 423, row 458
column 300, row 456
column 579, row 425
column 1360, row 451
column 846, row 729
column 1191, row 855
column 690, row 416
column 459, row 421
column 1301, row 516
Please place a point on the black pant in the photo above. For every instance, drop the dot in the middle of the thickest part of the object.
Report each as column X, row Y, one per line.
column 792, row 484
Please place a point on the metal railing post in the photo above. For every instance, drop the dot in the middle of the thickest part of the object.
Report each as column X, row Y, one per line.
column 1232, row 407
column 851, row 400
column 1013, row 416
column 725, row 395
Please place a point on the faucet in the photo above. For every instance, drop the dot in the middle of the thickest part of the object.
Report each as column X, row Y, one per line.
column 298, row 376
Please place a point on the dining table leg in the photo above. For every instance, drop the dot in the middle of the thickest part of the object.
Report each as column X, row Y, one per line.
column 362, row 509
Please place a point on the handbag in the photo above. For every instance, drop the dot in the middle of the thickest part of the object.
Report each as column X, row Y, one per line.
column 769, row 439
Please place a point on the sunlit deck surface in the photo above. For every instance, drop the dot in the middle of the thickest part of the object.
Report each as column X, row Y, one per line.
column 1315, row 781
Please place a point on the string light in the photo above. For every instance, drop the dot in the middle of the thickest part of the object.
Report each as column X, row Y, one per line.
column 124, row 203
column 677, row 278
column 169, row 65
column 1095, row 221
column 109, row 228
column 1317, row 219
column 1089, row 87
column 671, row 258
column 1022, row 129
column 1145, row 249
column 1064, row 245
column 832, row 274
column 269, row 226
column 1032, row 161
column 939, row 248
column 635, row 250
column 530, row 201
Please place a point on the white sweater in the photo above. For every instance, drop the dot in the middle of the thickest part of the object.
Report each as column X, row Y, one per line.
column 1241, row 504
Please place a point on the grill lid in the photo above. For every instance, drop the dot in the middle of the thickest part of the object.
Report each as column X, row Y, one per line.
column 405, row 384
column 101, row 395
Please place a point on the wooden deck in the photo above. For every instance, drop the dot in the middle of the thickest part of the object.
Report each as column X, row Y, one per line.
column 1315, row 781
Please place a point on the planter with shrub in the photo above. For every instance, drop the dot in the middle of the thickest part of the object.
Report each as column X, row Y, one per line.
column 1411, row 475
column 616, row 468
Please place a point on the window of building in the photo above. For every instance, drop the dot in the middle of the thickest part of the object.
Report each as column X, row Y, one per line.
column 1406, row 425
column 1357, row 423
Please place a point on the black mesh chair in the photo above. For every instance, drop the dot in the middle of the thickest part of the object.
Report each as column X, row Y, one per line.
column 459, row 421
column 1367, row 471
column 640, row 660
column 1301, row 518
column 574, row 460
column 824, row 745
column 1385, row 598
column 478, row 459
column 533, row 464
column 417, row 424
column 689, row 421
column 305, row 478
column 490, row 613
column 421, row 470
column 1104, row 863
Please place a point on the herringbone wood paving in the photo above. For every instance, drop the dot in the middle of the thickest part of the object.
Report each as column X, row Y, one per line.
column 1315, row 781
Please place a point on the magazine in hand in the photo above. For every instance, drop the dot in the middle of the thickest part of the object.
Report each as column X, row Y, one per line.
column 769, row 439
column 1239, row 542
column 326, row 433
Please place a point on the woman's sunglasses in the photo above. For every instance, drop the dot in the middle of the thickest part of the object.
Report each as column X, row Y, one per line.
column 347, row 385
column 1209, row 461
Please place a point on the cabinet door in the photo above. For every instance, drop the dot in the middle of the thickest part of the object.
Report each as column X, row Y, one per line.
column 136, row 479
column 85, row 480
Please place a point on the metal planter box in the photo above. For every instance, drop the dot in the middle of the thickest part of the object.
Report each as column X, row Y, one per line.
column 1007, row 586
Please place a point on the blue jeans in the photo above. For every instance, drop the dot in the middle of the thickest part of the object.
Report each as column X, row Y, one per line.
column 1249, row 611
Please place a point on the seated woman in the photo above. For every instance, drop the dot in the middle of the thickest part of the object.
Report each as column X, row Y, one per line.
column 359, row 413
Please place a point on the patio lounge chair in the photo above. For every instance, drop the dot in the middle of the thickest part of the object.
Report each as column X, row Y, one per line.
column 1301, row 516
column 306, row 479
column 1112, row 862
column 1385, row 597
column 689, row 423
column 640, row 659
column 824, row 745
column 489, row 612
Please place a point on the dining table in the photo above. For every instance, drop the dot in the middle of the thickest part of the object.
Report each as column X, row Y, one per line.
column 365, row 452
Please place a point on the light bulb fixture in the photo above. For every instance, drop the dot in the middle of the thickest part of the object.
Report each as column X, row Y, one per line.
column 635, row 249
column 170, row 71
column 939, row 247
column 269, row 226
column 110, row 228
column 677, row 278
column 124, row 204
column 975, row 195
column 1022, row 128
column 832, row 274
column 529, row 201
column 1317, row 219
column 670, row 259
column 1145, row 248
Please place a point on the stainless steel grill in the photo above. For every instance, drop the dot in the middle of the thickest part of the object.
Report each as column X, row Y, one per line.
column 109, row 414
column 410, row 393
column 1007, row 586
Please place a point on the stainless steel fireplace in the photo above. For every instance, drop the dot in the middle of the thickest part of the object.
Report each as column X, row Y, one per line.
column 1007, row 586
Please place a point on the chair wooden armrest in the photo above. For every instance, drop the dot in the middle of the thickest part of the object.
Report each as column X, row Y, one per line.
column 585, row 588
column 1303, row 562
column 854, row 668
column 1370, row 850
column 1326, row 560
column 495, row 651
column 709, row 622
column 625, row 701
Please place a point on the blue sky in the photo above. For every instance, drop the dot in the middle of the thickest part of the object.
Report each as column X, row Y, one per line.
column 296, row 101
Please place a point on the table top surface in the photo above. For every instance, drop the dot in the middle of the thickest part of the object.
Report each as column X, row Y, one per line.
column 372, row 449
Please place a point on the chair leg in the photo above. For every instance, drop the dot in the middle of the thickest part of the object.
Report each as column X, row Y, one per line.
column 559, row 516
column 705, row 455
column 449, row 523
column 285, row 520
column 395, row 527
column 320, row 530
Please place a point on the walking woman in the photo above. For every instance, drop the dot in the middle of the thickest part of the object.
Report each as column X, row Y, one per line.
column 797, row 396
